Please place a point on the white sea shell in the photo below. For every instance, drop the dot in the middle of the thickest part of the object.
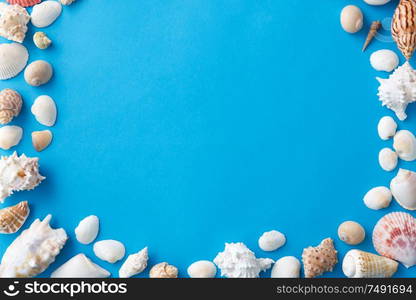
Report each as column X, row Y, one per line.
column 80, row 266
column 351, row 19
column 398, row 90
column 387, row 159
column 13, row 22
column 386, row 127
column 202, row 269
column 384, row 60
column 404, row 143
column 67, row 2
column 134, row 264
column 376, row 2
column 286, row 267
column 45, row 13
column 403, row 188
column 33, row 250
column 13, row 59
column 10, row 136
column 163, row 270
column 378, row 198
column 109, row 250
column 44, row 109
column 271, row 240
column 87, row 229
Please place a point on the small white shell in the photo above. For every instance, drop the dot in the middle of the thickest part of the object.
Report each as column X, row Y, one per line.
column 271, row 240
column 386, row 128
column 109, row 250
column 87, row 229
column 38, row 72
column 286, row 267
column 384, row 60
column 10, row 136
column 44, row 110
column 376, row 2
column 80, row 266
column 387, row 159
column 134, row 264
column 405, row 145
column 351, row 19
column 45, row 13
column 403, row 188
column 67, row 2
column 378, row 198
column 13, row 59
column 41, row 40
column 202, row 269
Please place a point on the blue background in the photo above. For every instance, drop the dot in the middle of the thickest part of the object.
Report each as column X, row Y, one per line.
column 185, row 124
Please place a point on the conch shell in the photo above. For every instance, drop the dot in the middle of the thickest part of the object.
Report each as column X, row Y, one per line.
column 134, row 264
column 10, row 105
column 360, row 264
column 403, row 188
column 33, row 250
column 13, row 22
column 13, row 217
column 18, row 173
column 319, row 259
column 403, row 27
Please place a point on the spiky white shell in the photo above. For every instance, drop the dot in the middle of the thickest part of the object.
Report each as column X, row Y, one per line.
column 87, row 229
column 44, row 110
column 271, row 240
column 387, row 159
column 80, row 266
column 386, row 127
column 286, row 267
column 45, row 13
column 403, row 188
column 13, row 22
column 134, row 264
column 384, row 60
column 13, row 59
column 33, row 250
column 10, row 135
column 378, row 198
column 404, row 143
column 109, row 250
column 202, row 269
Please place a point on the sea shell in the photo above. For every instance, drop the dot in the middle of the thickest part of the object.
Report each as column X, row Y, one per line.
column 351, row 19
column 41, row 139
column 376, row 2
column 38, row 72
column 404, row 143
column 163, row 270
column 33, row 250
column 10, row 136
column 41, row 40
column 394, row 236
column 13, row 59
column 44, row 110
column 386, row 128
column 13, row 22
column 13, row 217
column 24, row 3
column 109, row 250
column 80, row 266
column 375, row 26
column 286, row 267
column 45, row 13
column 403, row 27
column 387, row 159
column 360, row 264
column 67, row 2
column 134, row 264
column 237, row 261
column 351, row 233
column 271, row 240
column 319, row 259
column 202, row 269
column 403, row 188
column 384, row 60
column 10, row 105
column 18, row 173
column 378, row 198
column 87, row 229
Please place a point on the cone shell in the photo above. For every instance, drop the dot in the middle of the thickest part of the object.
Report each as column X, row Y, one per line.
column 360, row 264
column 403, row 188
column 13, row 217
column 403, row 27
column 41, row 139
column 13, row 59
column 394, row 236
column 10, row 105
column 319, row 259
column 24, row 3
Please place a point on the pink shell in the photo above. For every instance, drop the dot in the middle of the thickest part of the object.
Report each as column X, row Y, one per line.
column 24, row 3
column 394, row 236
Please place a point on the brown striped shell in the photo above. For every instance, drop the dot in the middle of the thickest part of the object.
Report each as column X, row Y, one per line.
column 13, row 217
column 10, row 105
column 403, row 27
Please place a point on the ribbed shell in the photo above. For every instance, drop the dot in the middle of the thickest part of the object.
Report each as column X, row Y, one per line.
column 13, row 59
column 394, row 236
column 13, row 217
column 24, row 3
column 403, row 27
column 10, row 105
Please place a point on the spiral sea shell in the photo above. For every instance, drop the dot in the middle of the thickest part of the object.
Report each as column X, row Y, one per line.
column 10, row 105
column 38, row 72
column 403, row 27
column 13, row 217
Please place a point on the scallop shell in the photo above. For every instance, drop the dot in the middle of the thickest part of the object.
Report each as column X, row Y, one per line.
column 319, row 259
column 10, row 136
column 87, row 229
column 24, row 3
column 394, row 236
column 387, row 159
column 403, row 27
column 41, row 40
column 13, row 22
column 45, row 13
column 13, row 217
column 386, row 128
column 10, row 105
column 403, row 188
column 360, row 264
column 44, row 110
column 38, row 72
column 41, row 139
column 109, row 250
column 13, row 59
column 80, row 266
column 33, row 250
column 404, row 143
column 378, row 198
column 286, row 267
column 134, row 264
column 163, row 270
